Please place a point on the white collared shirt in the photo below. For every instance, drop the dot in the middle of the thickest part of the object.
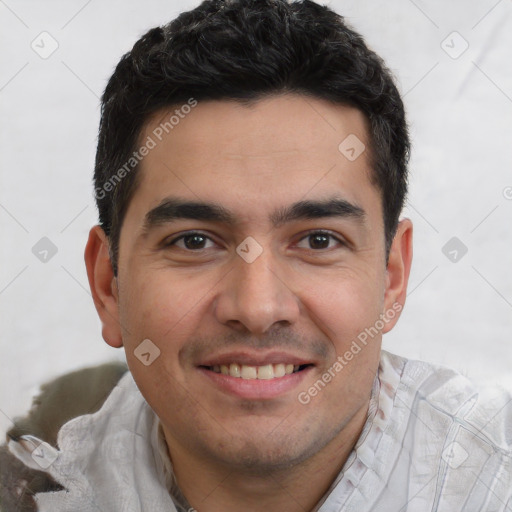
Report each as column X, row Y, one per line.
column 431, row 442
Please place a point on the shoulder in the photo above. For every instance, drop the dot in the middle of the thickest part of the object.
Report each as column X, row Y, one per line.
column 70, row 395
column 448, row 392
column 455, row 433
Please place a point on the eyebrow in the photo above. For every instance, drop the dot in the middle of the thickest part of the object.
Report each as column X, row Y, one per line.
column 171, row 209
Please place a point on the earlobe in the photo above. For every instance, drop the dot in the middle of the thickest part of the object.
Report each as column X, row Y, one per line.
column 397, row 273
column 103, row 285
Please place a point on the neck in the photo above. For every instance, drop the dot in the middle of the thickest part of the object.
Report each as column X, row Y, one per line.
column 210, row 486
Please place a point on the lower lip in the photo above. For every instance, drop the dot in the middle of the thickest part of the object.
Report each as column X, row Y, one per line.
column 256, row 389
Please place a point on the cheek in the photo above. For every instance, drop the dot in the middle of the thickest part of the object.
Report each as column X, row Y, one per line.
column 156, row 303
column 167, row 310
column 345, row 307
column 153, row 308
column 346, row 312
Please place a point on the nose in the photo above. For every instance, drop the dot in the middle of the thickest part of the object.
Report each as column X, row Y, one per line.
column 254, row 296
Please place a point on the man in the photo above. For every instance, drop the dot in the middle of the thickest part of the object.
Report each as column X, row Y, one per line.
column 250, row 174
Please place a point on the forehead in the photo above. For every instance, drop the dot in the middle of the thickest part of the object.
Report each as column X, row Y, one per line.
column 269, row 153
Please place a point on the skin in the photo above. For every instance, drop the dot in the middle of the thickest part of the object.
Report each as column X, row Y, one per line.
column 304, row 297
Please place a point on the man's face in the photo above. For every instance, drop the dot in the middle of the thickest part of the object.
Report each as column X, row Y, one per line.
column 256, row 286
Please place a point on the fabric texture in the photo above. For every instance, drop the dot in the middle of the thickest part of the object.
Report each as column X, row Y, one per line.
column 431, row 442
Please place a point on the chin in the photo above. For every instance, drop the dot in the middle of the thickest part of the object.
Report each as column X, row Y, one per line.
column 264, row 452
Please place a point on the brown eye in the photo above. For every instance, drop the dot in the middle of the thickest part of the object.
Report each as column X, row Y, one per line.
column 319, row 240
column 191, row 241
column 194, row 241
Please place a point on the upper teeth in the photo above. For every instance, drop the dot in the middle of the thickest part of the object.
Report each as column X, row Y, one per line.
column 268, row 371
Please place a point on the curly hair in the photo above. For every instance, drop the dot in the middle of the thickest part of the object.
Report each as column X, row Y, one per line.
column 245, row 50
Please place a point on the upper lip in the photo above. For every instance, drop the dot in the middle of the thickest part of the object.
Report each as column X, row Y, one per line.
column 254, row 359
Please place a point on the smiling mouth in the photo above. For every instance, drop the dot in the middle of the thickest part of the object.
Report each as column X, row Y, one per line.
column 265, row 372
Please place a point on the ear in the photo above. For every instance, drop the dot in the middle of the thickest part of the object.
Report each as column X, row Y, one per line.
column 103, row 285
column 397, row 273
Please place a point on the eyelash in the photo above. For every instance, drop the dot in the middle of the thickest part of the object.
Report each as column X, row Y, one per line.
column 309, row 234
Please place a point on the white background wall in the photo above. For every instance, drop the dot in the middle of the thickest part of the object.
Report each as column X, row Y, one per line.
column 460, row 111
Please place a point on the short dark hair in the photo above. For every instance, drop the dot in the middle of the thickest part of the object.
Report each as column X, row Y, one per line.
column 245, row 50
